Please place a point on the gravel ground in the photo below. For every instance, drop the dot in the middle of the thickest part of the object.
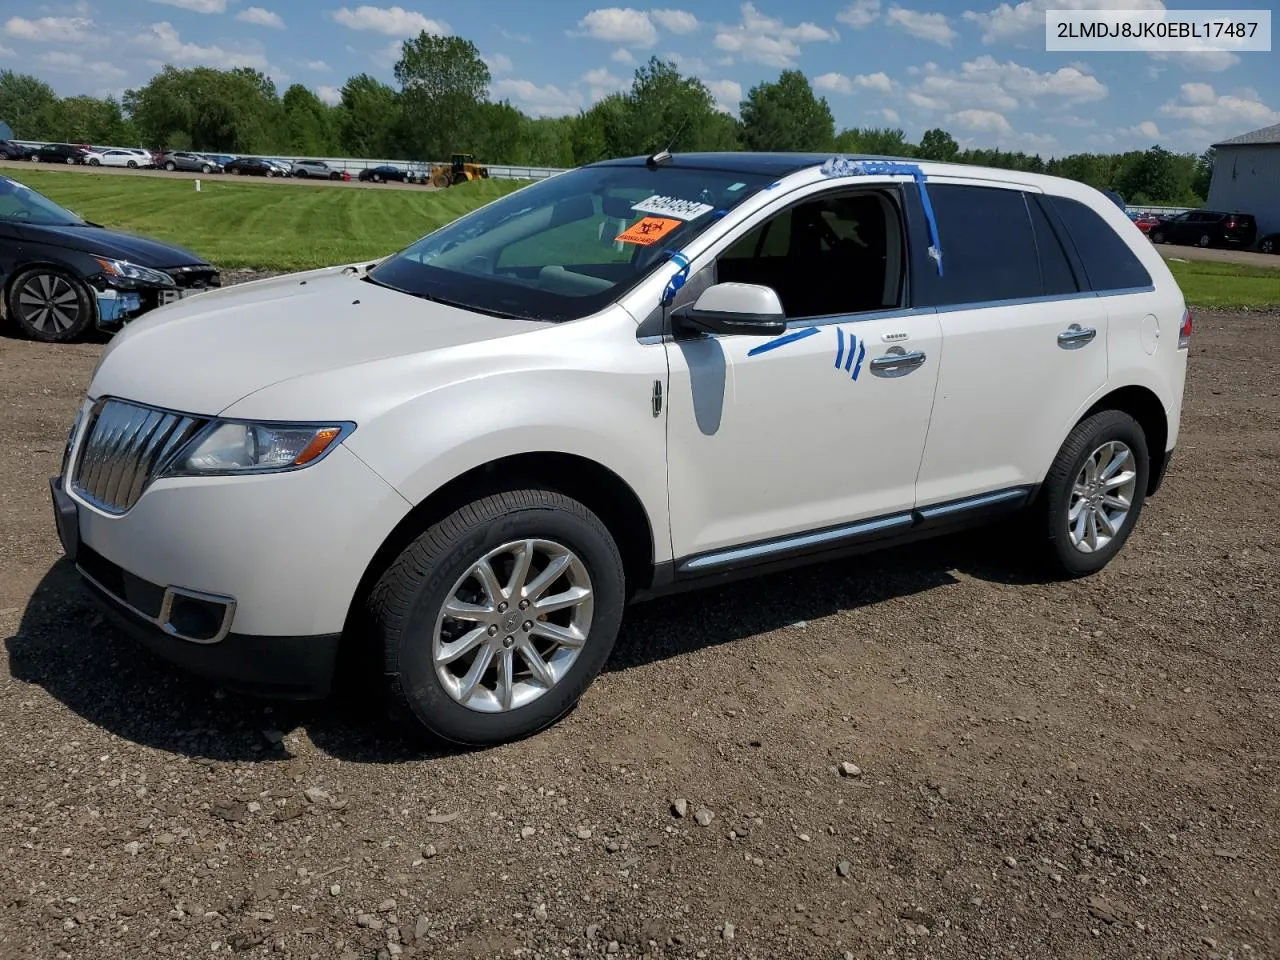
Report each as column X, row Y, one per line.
column 923, row 754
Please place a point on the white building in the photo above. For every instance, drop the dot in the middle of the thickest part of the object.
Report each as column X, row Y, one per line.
column 1246, row 177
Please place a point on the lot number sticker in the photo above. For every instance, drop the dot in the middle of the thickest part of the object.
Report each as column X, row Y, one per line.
column 648, row 231
column 672, row 207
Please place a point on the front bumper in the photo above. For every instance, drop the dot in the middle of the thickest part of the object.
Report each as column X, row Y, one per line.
column 118, row 301
column 192, row 630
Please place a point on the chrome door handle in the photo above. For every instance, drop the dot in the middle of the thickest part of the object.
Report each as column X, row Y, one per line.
column 1076, row 334
column 898, row 361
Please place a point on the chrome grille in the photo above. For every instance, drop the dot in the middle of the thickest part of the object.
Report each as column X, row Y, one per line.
column 123, row 447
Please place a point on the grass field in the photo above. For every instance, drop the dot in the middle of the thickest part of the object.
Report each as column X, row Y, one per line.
column 285, row 227
column 1206, row 283
column 264, row 226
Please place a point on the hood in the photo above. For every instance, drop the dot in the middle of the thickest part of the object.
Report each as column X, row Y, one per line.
column 112, row 243
column 203, row 354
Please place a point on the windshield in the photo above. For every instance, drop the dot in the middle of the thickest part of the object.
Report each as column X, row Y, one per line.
column 568, row 246
column 20, row 204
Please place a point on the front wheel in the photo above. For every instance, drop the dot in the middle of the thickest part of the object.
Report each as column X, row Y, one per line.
column 1267, row 246
column 206, row 169
column 50, row 305
column 1157, row 237
column 132, row 165
column 171, row 166
column 95, row 162
column 494, row 621
column 1094, row 492
column 1204, row 240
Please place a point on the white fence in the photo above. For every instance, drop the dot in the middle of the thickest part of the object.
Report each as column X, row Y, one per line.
column 354, row 165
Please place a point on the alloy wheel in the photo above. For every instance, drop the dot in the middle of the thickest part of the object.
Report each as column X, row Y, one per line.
column 47, row 299
column 1102, row 496
column 513, row 625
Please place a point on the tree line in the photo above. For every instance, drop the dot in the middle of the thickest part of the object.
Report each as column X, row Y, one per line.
column 440, row 105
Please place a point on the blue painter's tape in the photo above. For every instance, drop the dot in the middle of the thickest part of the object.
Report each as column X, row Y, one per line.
column 839, row 346
column 678, row 281
column 843, row 167
column 862, row 352
column 853, row 342
column 782, row 341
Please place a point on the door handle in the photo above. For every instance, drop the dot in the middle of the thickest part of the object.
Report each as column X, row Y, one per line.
column 1076, row 334
column 898, row 361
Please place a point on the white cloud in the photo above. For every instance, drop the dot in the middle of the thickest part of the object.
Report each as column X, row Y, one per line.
column 693, row 65
column 1206, row 61
column 387, row 57
column 50, row 29
column 1224, row 115
column 982, row 121
column 860, row 13
column 163, row 42
column 1146, row 129
column 544, row 101
column 62, row 61
column 985, row 83
column 767, row 40
column 197, row 6
column 728, row 94
column 393, row 21
column 839, row 83
column 675, row 21
column 1069, row 120
column 261, row 17
column 600, row 83
column 891, row 115
column 329, row 94
column 498, row 64
column 631, row 28
column 6, row 52
column 515, row 37
column 622, row 55
column 1009, row 23
column 319, row 66
column 922, row 26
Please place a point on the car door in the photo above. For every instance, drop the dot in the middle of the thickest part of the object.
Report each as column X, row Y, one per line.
column 813, row 436
column 1022, row 345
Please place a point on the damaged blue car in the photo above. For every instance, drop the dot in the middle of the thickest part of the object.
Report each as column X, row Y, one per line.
column 62, row 276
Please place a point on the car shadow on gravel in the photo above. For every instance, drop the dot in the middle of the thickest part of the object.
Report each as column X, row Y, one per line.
column 65, row 646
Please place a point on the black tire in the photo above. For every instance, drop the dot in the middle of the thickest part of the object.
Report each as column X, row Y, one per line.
column 407, row 600
column 1054, row 504
column 132, row 164
column 171, row 166
column 1267, row 246
column 71, row 160
column 206, row 169
column 1204, row 241
column 95, row 162
column 42, row 281
column 1157, row 236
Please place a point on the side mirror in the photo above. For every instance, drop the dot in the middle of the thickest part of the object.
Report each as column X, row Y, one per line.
column 736, row 309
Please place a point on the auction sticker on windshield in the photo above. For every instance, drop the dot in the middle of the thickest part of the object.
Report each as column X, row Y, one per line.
column 648, row 231
column 672, row 207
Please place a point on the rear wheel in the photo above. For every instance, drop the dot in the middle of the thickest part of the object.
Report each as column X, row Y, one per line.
column 49, row 305
column 1094, row 493
column 1157, row 236
column 71, row 159
column 1267, row 246
column 1204, row 240
column 494, row 621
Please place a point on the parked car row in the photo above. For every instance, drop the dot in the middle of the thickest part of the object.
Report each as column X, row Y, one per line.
column 1207, row 228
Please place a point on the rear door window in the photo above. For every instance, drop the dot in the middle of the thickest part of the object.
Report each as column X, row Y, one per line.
column 988, row 246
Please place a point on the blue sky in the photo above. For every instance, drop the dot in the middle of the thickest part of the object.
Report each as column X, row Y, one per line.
column 978, row 68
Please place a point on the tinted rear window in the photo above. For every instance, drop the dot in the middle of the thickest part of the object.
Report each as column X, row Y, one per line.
column 988, row 247
column 1108, row 262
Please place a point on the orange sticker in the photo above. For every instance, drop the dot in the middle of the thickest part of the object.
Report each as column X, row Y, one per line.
column 648, row 231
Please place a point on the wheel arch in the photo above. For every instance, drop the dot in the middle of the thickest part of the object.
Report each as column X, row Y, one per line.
column 590, row 483
column 1144, row 406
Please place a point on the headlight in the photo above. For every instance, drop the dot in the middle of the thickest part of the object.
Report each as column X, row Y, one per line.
column 132, row 271
column 243, row 448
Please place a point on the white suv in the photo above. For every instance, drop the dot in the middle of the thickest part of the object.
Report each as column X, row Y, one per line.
column 634, row 377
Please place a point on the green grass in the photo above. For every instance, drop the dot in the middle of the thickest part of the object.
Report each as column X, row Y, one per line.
column 264, row 226
column 1208, row 283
